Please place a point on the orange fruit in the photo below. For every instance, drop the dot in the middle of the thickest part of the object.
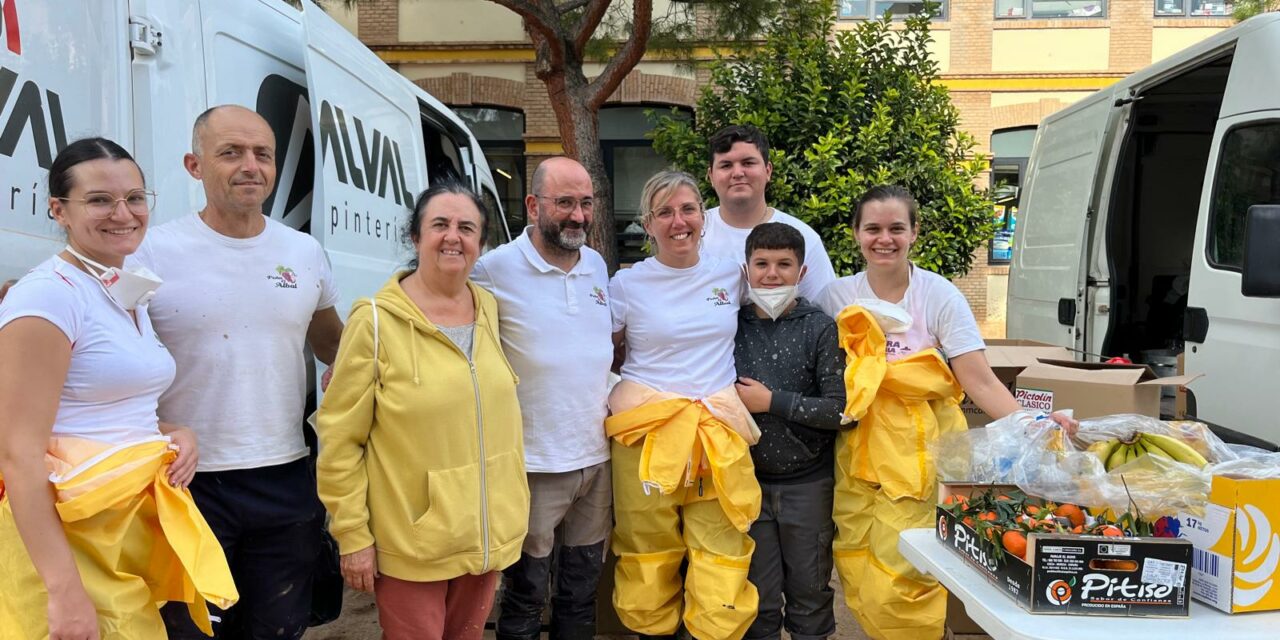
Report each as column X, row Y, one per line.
column 1111, row 531
column 1016, row 543
column 1072, row 513
column 1032, row 509
column 989, row 516
column 1077, row 529
column 968, row 521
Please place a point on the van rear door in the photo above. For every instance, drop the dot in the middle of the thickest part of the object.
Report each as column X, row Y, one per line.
column 370, row 160
column 1046, row 285
column 62, row 77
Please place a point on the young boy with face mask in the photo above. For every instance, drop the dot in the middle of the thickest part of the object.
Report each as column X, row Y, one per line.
column 791, row 378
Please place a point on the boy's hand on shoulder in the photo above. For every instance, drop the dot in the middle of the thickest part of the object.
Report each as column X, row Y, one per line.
column 754, row 395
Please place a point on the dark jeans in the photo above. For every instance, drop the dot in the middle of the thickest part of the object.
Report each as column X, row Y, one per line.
column 792, row 561
column 268, row 521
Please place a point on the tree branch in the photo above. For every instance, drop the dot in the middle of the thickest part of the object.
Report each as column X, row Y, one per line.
column 626, row 58
column 540, row 19
column 571, row 5
column 586, row 27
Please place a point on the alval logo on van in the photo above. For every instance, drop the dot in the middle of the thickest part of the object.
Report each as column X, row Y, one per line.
column 363, row 158
column 9, row 25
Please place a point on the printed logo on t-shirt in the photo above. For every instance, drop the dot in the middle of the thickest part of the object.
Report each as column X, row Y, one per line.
column 597, row 294
column 719, row 297
column 895, row 349
column 285, row 278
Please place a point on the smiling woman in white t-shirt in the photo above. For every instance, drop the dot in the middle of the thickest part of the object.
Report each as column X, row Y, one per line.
column 81, row 373
column 676, row 418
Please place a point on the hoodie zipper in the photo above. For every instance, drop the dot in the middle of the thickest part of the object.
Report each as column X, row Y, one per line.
column 484, row 490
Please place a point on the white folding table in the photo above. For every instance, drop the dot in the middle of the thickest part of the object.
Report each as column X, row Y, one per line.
column 1003, row 619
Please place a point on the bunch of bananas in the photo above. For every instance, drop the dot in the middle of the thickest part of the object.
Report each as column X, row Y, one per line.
column 1118, row 451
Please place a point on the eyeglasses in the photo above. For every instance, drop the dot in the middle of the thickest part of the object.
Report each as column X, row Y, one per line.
column 686, row 211
column 566, row 204
column 100, row 205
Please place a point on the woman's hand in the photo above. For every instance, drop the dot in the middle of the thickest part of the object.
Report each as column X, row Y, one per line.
column 183, row 470
column 359, row 568
column 72, row 616
column 755, row 396
column 1069, row 425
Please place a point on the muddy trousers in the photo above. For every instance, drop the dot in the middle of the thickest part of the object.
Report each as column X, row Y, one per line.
column 654, row 534
column 888, row 596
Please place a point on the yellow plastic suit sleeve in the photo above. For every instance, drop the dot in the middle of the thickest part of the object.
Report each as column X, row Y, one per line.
column 864, row 345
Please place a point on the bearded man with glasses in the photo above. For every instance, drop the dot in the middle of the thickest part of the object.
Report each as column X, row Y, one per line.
column 553, row 306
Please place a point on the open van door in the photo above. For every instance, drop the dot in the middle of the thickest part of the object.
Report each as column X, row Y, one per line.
column 370, row 158
column 1046, row 285
column 50, row 95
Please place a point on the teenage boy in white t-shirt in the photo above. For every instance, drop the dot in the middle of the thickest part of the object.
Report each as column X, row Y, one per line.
column 243, row 294
column 556, row 331
column 740, row 172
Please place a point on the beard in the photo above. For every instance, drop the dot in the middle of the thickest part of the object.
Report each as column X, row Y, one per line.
column 565, row 236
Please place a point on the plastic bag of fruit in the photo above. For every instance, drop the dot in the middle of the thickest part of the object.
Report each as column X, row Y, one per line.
column 991, row 454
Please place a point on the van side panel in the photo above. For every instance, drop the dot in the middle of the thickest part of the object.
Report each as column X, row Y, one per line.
column 60, row 79
column 1060, row 189
column 370, row 156
column 1253, row 86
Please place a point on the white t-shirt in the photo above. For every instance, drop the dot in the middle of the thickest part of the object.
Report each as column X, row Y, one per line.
column 940, row 315
column 234, row 312
column 118, row 368
column 730, row 243
column 680, row 324
column 555, row 329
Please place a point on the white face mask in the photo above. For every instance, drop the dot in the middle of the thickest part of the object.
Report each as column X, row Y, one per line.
column 130, row 289
column 892, row 318
column 773, row 301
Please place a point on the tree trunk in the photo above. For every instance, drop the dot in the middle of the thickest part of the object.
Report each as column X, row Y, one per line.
column 579, row 126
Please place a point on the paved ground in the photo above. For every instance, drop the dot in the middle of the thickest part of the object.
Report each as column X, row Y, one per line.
column 359, row 621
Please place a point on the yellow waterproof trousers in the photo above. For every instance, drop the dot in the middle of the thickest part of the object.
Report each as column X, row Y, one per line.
column 137, row 541
column 886, row 479
column 670, row 503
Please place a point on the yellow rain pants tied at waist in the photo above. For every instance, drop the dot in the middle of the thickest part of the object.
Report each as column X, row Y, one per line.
column 684, row 487
column 886, row 479
column 138, row 542
column 686, row 440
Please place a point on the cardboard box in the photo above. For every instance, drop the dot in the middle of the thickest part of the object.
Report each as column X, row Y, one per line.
column 1078, row 574
column 1092, row 389
column 1008, row 358
column 1236, row 563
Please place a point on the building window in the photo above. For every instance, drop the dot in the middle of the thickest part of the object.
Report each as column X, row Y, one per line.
column 1193, row 8
column 1052, row 8
column 630, row 160
column 1010, row 149
column 501, row 136
column 864, row 9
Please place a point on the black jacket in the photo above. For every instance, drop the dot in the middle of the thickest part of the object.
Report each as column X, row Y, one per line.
column 798, row 357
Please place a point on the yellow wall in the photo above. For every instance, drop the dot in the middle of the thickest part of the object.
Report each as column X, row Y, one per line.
column 458, row 21
column 505, row 71
column 1166, row 42
column 940, row 49
column 593, row 69
column 344, row 16
column 1049, row 50
column 1006, row 99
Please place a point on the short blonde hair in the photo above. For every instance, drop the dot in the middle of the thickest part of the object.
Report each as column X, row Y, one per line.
column 661, row 185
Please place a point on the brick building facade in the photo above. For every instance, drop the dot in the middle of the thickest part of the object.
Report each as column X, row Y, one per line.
column 1007, row 63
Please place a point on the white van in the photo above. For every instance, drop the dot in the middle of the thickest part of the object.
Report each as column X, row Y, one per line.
column 140, row 71
column 1150, row 225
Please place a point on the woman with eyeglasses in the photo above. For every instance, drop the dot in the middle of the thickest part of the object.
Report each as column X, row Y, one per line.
column 96, row 525
column 684, row 485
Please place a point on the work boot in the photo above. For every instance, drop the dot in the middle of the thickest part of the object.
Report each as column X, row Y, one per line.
column 573, row 607
column 523, row 597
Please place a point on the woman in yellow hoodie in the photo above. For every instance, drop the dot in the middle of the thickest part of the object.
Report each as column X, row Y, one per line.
column 421, row 461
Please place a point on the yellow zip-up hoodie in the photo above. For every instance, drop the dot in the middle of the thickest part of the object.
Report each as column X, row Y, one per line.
column 427, row 463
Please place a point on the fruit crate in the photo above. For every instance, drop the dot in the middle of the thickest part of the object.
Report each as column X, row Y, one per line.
column 1076, row 574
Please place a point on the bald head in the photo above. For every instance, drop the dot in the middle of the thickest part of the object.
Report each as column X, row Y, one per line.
column 221, row 113
column 558, row 169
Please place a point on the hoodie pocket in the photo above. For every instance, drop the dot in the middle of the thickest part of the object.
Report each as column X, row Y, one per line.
column 508, row 498
column 451, row 524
